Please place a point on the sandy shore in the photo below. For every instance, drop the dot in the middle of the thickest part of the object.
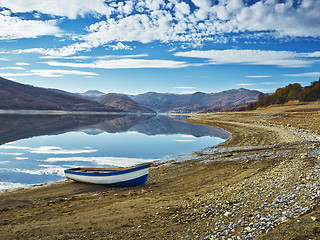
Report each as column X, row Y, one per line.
column 263, row 183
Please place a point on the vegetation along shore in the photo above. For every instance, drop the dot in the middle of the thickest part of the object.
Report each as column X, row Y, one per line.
column 263, row 183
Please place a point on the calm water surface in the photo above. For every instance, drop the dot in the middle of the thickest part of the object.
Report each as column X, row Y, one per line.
column 36, row 149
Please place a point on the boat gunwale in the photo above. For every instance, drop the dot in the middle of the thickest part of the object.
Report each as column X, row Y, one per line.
column 115, row 171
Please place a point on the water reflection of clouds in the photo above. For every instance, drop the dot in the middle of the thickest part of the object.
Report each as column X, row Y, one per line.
column 188, row 136
column 46, row 150
column 59, row 150
column 8, row 185
column 184, row 140
column 116, row 161
column 14, row 147
column 10, row 154
column 46, row 170
column 22, row 158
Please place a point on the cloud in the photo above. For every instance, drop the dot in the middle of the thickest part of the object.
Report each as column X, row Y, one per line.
column 185, row 87
column 71, row 8
column 182, row 22
column 11, row 154
column 120, row 46
column 15, row 28
column 125, row 63
column 8, row 146
column 119, row 23
column 49, row 73
column 309, row 74
column 251, row 57
column 258, row 76
column 246, row 84
column 22, row 64
column 12, row 68
column 60, row 73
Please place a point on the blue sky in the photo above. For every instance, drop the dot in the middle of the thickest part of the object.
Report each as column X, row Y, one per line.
column 165, row 46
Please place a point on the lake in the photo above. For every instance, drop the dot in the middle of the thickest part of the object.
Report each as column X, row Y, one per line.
column 35, row 149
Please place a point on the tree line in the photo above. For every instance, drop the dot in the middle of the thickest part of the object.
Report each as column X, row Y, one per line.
column 290, row 92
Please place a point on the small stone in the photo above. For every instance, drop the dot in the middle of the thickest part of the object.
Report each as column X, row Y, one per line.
column 227, row 214
column 314, row 218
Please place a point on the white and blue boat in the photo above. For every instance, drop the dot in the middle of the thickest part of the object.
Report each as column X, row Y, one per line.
column 133, row 176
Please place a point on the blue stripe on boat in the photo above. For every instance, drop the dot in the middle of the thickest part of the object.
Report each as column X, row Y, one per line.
column 133, row 182
column 109, row 173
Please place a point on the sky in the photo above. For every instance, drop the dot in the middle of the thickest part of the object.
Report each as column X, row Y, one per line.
column 168, row 46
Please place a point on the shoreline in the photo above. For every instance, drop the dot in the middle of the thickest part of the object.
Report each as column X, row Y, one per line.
column 262, row 183
column 62, row 112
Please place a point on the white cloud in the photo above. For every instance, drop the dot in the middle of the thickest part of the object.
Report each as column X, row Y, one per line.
column 148, row 21
column 269, row 83
column 71, row 8
column 125, row 63
column 181, row 24
column 309, row 74
column 15, row 28
column 8, row 146
column 258, row 76
column 246, row 84
column 16, row 74
column 60, row 73
column 49, row 73
column 12, row 68
column 185, row 87
column 120, row 46
column 22, row 64
column 11, row 154
column 251, row 57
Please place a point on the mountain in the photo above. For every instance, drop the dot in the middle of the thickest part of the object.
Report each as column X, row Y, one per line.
column 166, row 102
column 19, row 96
column 123, row 102
column 90, row 95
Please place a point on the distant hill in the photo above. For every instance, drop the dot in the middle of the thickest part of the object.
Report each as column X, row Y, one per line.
column 288, row 93
column 184, row 103
column 19, row 96
column 123, row 102
column 90, row 95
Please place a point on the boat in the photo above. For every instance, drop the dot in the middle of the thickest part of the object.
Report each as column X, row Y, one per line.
column 133, row 176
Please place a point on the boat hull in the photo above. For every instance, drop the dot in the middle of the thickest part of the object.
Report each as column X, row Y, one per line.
column 128, row 177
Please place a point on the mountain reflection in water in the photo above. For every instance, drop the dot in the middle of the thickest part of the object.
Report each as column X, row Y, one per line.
column 15, row 127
